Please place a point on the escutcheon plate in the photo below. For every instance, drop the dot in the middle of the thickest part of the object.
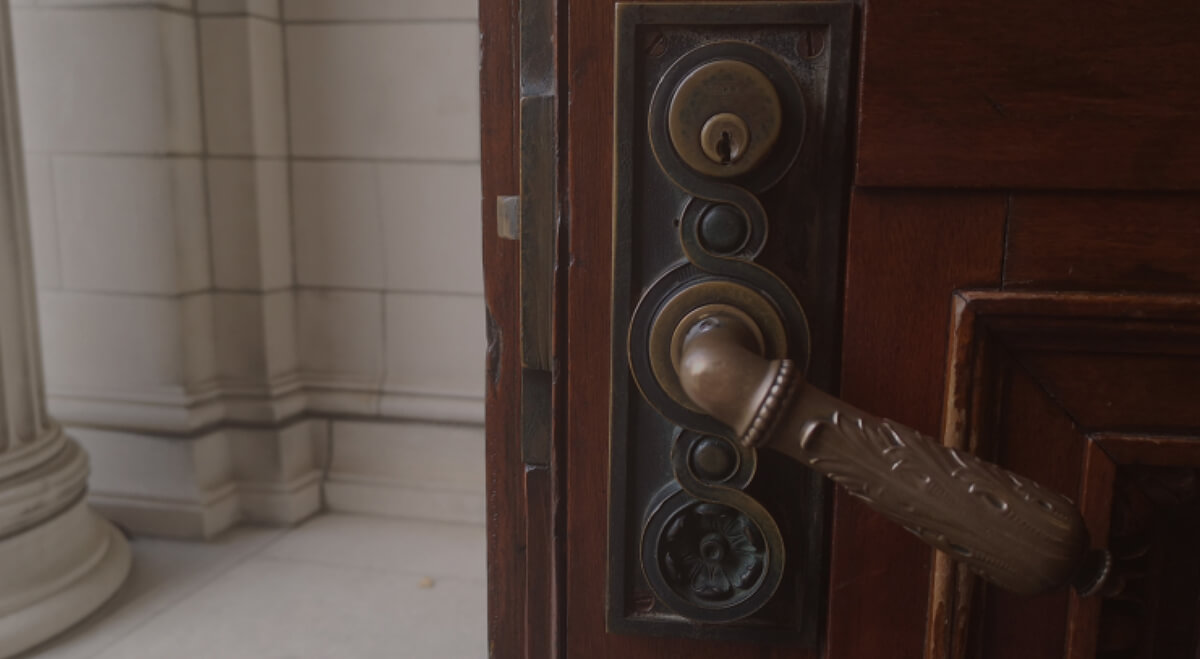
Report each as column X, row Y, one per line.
column 783, row 246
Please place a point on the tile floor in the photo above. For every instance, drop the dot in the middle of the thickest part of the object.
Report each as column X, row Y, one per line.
column 337, row 587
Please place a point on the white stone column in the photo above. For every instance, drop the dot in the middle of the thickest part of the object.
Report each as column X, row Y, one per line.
column 59, row 561
column 157, row 159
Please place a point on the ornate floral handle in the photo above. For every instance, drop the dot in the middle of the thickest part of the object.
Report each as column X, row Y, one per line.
column 1006, row 528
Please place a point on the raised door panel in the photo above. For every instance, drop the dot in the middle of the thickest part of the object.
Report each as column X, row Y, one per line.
column 1088, row 394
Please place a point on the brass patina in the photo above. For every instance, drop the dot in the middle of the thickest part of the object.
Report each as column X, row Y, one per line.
column 724, row 117
column 724, row 138
column 1007, row 528
column 730, row 297
column 699, row 207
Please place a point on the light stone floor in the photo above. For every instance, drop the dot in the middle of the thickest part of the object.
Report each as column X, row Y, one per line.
column 337, row 587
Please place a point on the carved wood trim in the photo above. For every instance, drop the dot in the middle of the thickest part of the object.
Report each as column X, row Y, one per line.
column 1054, row 337
column 1095, row 502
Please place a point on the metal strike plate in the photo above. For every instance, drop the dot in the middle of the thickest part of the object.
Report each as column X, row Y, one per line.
column 731, row 123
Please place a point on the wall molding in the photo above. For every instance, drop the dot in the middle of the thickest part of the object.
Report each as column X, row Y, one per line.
column 173, row 518
column 196, row 487
column 235, row 422
column 247, row 456
column 394, row 498
column 171, row 410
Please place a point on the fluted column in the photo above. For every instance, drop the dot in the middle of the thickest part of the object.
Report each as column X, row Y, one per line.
column 59, row 561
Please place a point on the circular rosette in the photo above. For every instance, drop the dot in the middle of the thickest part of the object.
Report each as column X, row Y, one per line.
column 713, row 551
column 710, row 562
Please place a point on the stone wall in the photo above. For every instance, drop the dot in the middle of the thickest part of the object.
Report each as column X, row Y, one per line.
column 256, row 233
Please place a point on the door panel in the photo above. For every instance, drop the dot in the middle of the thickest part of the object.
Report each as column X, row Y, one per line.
column 1030, row 95
column 1156, row 505
column 1042, row 111
column 907, row 251
column 1007, row 404
column 1103, row 241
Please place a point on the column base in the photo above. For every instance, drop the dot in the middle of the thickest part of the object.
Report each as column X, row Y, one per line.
column 57, row 573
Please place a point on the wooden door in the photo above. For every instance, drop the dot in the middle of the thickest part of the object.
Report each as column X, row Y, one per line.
column 1021, row 277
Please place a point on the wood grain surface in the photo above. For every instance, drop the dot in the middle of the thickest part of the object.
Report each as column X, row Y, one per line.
column 1030, row 94
column 1104, row 242
column 907, row 252
column 504, row 471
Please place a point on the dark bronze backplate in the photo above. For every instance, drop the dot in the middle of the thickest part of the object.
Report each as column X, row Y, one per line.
column 695, row 547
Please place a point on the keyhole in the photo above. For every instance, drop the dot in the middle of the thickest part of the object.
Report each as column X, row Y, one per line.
column 724, row 138
column 724, row 148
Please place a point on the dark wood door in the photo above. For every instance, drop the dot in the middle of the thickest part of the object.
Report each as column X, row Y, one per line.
column 1021, row 277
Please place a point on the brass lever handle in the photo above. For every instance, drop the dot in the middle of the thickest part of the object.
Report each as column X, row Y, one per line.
column 1008, row 529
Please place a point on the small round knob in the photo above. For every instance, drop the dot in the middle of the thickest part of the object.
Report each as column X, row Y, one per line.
column 713, row 459
column 723, row 229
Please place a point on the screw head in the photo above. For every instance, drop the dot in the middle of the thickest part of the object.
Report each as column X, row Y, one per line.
column 723, row 229
column 712, row 547
column 713, row 459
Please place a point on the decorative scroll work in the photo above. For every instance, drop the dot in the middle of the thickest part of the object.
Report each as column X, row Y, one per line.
column 714, row 551
column 1006, row 528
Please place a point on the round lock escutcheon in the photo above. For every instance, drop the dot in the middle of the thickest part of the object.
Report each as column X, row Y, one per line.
column 724, row 117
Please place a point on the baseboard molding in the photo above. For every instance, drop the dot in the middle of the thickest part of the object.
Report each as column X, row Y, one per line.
column 281, row 504
column 345, row 493
column 197, row 487
column 407, row 469
column 168, row 518
column 261, row 503
column 396, row 453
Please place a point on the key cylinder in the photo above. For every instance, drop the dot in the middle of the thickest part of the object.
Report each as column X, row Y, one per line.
column 724, row 118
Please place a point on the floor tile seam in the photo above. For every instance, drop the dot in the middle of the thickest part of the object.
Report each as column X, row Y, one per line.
column 278, row 534
column 481, row 580
column 403, row 520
